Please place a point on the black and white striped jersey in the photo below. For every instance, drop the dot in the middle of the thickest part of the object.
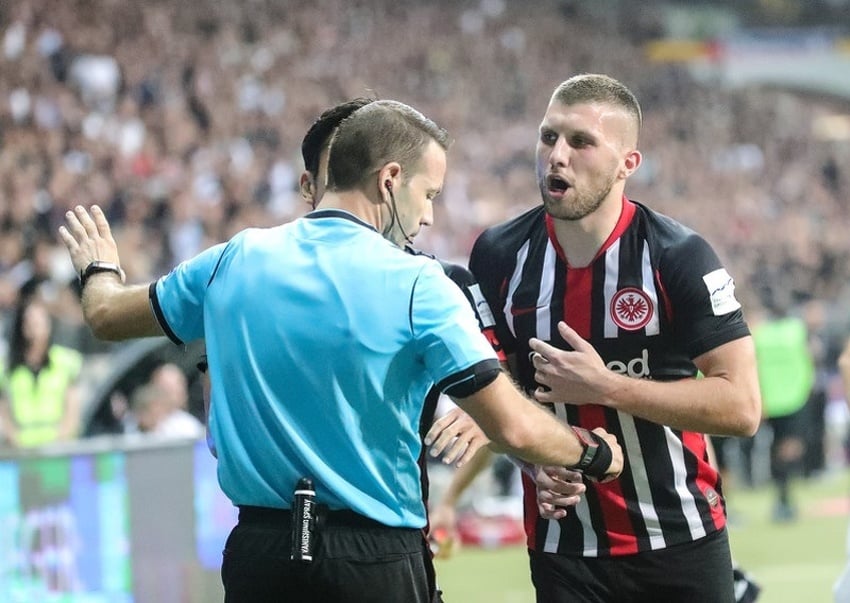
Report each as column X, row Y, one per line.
column 654, row 297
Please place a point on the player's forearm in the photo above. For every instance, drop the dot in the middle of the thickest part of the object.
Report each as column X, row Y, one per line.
column 115, row 311
column 711, row 405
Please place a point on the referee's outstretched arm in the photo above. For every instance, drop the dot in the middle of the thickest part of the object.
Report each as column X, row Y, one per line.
column 522, row 428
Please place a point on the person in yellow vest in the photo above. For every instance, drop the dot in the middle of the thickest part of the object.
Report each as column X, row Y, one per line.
column 786, row 371
column 39, row 401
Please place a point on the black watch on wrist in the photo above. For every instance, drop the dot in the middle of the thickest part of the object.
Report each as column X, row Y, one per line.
column 97, row 266
column 589, row 448
column 596, row 454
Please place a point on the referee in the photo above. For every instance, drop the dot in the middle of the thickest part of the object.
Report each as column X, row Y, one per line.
column 323, row 337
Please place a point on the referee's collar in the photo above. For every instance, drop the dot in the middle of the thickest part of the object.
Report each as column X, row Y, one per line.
column 339, row 213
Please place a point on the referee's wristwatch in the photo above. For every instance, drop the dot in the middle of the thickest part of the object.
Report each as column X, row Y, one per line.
column 596, row 455
column 96, row 266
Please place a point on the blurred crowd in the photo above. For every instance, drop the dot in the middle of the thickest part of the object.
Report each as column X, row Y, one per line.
column 183, row 120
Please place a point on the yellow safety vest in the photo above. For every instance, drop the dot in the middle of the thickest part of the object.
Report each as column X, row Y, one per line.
column 37, row 402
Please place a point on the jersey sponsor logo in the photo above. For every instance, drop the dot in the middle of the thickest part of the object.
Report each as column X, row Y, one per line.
column 631, row 309
column 721, row 292
column 637, row 368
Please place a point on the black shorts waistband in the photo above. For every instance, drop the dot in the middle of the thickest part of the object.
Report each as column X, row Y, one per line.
column 340, row 518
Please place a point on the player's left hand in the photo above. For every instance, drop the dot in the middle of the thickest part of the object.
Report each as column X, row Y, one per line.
column 557, row 489
column 577, row 377
column 455, row 437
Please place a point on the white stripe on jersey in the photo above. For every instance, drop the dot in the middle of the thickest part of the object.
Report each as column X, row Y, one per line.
column 680, row 473
column 653, row 327
column 632, row 449
column 553, row 528
column 612, row 275
column 542, row 310
column 516, row 278
column 544, row 298
column 612, row 271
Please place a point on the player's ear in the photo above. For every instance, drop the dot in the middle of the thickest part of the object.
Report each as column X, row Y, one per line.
column 630, row 163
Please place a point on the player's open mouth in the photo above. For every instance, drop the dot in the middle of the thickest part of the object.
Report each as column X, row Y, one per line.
column 556, row 184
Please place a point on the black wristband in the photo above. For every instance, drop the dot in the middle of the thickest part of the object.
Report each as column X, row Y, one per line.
column 97, row 266
column 596, row 455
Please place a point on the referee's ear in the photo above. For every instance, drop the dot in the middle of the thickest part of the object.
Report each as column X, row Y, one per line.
column 307, row 186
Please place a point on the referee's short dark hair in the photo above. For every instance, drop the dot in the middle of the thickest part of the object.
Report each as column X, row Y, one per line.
column 381, row 132
column 318, row 136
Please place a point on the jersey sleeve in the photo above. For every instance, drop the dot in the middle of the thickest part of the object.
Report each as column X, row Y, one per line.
column 485, row 266
column 445, row 330
column 704, row 310
column 178, row 297
column 466, row 282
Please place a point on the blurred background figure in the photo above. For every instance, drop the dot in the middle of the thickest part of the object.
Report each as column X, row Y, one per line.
column 172, row 382
column 841, row 589
column 786, row 376
column 155, row 412
column 39, row 402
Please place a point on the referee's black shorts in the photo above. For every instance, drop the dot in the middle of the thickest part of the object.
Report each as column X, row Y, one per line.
column 355, row 560
column 695, row 572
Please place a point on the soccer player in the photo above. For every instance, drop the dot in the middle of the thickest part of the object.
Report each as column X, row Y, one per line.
column 607, row 310
column 323, row 337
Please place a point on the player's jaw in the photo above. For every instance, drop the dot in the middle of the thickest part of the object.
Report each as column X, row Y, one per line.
column 564, row 200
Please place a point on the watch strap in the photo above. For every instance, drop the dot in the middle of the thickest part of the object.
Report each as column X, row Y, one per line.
column 97, row 266
column 596, row 454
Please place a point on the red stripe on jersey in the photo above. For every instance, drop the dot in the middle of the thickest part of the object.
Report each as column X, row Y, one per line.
column 579, row 286
column 707, row 480
column 577, row 298
column 529, row 508
column 612, row 503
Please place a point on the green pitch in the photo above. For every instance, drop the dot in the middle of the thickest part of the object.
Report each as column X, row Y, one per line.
column 793, row 562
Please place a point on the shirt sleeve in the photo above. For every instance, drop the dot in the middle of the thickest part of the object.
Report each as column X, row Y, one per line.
column 464, row 279
column 178, row 297
column 705, row 312
column 445, row 328
column 488, row 269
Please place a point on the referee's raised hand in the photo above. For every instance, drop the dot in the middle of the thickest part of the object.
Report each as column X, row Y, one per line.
column 88, row 237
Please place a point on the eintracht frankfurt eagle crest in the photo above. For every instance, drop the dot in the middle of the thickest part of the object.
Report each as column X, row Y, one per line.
column 631, row 309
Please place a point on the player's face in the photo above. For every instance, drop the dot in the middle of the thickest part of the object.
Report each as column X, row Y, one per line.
column 414, row 200
column 581, row 153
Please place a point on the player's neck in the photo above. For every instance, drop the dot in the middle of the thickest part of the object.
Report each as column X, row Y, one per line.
column 582, row 239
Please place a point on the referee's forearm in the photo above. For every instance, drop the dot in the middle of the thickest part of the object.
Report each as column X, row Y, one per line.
column 115, row 311
column 520, row 427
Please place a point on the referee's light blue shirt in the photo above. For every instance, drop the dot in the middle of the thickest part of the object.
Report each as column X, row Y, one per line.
column 323, row 339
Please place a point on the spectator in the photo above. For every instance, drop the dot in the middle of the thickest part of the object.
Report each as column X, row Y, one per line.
column 39, row 401
column 157, row 414
column 171, row 380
